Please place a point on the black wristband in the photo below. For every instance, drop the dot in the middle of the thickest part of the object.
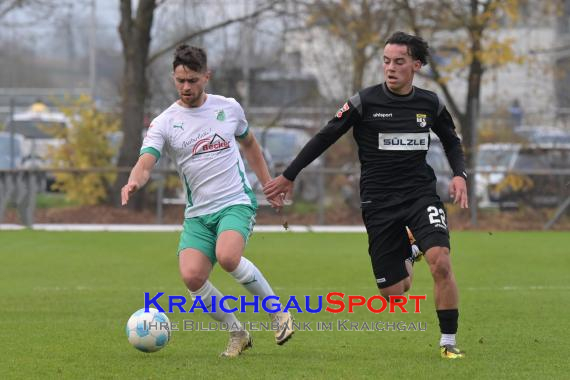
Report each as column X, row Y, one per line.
column 462, row 174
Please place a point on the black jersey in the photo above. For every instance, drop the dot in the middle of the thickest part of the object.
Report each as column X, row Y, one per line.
column 392, row 134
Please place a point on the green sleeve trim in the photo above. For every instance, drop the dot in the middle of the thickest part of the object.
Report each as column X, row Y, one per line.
column 243, row 135
column 152, row 151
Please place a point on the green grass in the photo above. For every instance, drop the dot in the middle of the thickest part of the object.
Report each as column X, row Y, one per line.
column 303, row 207
column 66, row 298
column 53, row 200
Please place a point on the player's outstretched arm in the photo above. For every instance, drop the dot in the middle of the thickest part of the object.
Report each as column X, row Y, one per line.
column 458, row 191
column 254, row 156
column 139, row 176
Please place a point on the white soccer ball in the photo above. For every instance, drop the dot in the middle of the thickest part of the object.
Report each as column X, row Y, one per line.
column 148, row 332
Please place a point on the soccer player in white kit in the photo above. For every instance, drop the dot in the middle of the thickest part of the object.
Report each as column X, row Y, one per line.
column 200, row 132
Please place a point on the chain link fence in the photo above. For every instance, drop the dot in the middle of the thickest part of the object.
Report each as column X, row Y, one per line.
column 514, row 199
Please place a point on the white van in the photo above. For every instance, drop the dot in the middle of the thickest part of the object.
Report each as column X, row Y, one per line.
column 38, row 130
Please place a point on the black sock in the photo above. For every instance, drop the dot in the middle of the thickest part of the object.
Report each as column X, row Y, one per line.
column 448, row 320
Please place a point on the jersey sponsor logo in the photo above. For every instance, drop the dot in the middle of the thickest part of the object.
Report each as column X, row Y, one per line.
column 403, row 141
column 220, row 115
column 210, row 145
column 381, row 115
column 342, row 110
column 421, row 119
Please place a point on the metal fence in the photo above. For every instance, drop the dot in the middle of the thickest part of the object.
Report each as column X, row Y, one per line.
column 529, row 199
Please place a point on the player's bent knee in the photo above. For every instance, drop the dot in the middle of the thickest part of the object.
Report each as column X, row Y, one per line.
column 228, row 262
column 193, row 279
column 194, row 283
column 440, row 264
column 441, row 272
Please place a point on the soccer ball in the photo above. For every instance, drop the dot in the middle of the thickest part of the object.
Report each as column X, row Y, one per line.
column 148, row 332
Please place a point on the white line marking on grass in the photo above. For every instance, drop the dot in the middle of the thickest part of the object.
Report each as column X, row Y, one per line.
column 175, row 228
column 475, row 289
column 11, row 227
column 508, row 288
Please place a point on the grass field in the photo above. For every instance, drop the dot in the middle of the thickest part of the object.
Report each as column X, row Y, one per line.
column 66, row 297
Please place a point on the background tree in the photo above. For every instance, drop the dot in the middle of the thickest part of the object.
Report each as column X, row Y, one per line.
column 42, row 8
column 87, row 145
column 360, row 26
column 466, row 28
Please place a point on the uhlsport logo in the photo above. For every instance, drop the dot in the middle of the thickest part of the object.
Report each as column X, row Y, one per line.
column 210, row 145
column 382, row 115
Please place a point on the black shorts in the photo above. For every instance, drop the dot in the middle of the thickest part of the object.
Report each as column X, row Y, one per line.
column 388, row 244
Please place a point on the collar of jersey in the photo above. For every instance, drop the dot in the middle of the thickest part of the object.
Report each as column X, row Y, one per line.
column 393, row 96
column 195, row 109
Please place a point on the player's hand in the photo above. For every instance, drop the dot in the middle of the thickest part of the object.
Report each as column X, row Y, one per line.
column 458, row 191
column 278, row 190
column 277, row 202
column 128, row 190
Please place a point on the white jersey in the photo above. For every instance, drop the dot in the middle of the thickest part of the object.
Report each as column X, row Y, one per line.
column 202, row 143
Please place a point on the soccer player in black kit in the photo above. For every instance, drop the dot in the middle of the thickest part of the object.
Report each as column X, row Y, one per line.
column 391, row 123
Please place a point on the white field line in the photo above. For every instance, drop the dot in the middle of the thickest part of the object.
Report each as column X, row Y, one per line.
column 301, row 291
column 173, row 228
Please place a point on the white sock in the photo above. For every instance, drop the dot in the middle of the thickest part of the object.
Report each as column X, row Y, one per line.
column 206, row 292
column 251, row 278
column 415, row 249
column 447, row 340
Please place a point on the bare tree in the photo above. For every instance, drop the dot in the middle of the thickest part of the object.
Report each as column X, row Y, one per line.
column 41, row 8
column 361, row 26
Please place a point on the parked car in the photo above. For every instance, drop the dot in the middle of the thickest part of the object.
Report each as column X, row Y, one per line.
column 543, row 134
column 11, row 152
column 39, row 130
column 283, row 144
column 437, row 159
column 252, row 177
column 493, row 162
column 528, row 177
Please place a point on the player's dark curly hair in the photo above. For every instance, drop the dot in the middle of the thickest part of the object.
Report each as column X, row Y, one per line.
column 192, row 57
column 417, row 47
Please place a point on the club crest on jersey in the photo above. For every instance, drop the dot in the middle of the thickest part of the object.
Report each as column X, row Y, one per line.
column 220, row 115
column 342, row 110
column 210, row 145
column 421, row 119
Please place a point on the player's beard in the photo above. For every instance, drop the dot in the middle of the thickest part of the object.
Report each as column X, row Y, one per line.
column 192, row 101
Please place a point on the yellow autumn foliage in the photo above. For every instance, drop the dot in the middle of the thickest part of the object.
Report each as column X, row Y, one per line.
column 86, row 146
